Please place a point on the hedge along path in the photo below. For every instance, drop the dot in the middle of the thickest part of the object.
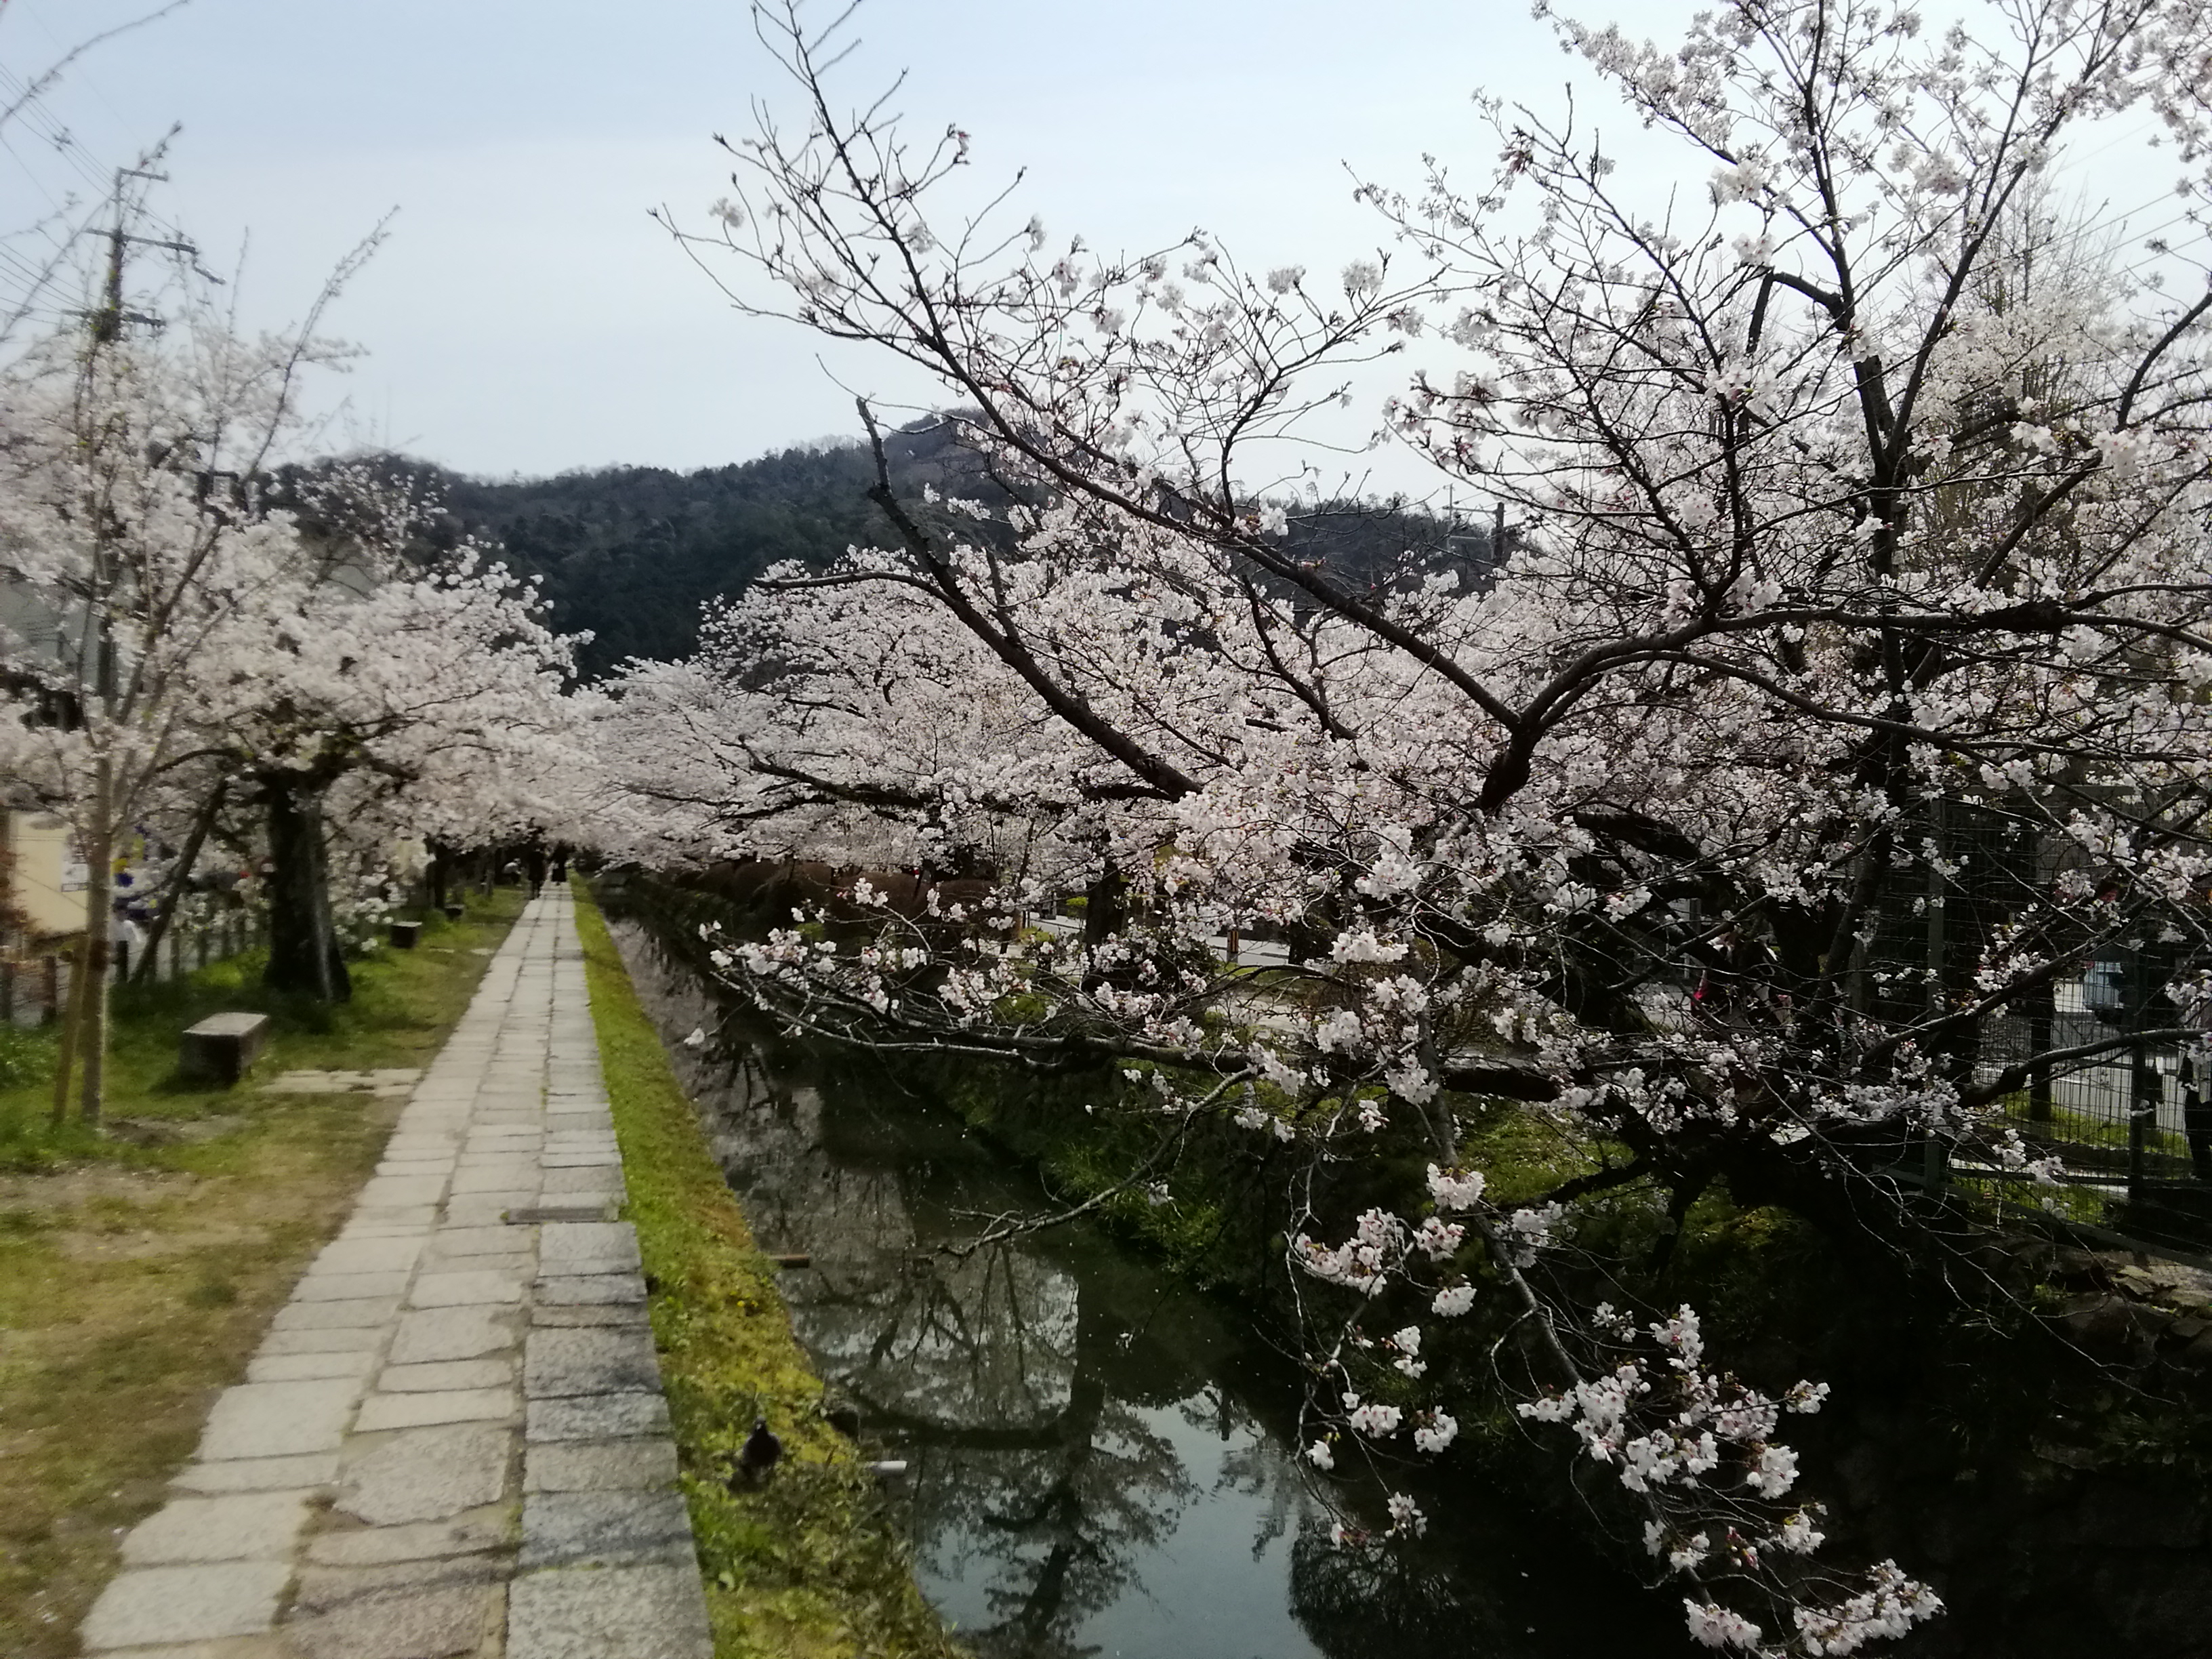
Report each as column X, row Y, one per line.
column 810, row 1562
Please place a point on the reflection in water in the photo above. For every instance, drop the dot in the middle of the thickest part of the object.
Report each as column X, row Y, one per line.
column 1076, row 1479
column 1099, row 1465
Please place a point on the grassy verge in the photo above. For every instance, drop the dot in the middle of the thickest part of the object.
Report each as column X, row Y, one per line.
column 139, row 1270
column 809, row 1562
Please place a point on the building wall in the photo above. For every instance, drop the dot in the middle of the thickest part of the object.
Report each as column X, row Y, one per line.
column 49, row 876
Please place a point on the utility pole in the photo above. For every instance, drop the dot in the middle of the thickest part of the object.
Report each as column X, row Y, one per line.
column 85, row 1034
column 109, row 320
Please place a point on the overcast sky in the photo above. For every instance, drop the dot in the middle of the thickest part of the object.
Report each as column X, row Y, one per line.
column 526, row 315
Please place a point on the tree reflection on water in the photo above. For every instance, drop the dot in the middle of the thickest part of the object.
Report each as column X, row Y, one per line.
column 1093, row 1471
column 1015, row 1389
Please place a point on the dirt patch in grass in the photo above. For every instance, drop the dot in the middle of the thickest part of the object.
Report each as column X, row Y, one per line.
column 137, row 1274
column 171, row 1132
column 74, row 1188
column 809, row 1563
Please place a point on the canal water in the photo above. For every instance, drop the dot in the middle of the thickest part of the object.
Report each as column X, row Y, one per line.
column 1099, row 1455
column 1101, row 1462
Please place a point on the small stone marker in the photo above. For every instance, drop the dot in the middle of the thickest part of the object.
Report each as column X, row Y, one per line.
column 222, row 1047
column 455, row 912
column 405, row 934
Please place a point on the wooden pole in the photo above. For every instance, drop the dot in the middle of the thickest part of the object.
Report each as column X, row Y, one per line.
column 65, row 1059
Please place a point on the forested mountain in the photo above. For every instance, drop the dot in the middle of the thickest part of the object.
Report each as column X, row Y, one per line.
column 631, row 552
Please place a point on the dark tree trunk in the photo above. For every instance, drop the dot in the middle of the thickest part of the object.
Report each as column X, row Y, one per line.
column 1104, row 906
column 180, row 875
column 443, row 860
column 303, row 943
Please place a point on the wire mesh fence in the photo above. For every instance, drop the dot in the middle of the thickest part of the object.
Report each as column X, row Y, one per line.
column 34, row 983
column 2116, row 1115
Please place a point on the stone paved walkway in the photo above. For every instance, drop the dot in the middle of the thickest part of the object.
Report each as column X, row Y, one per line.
column 453, row 1441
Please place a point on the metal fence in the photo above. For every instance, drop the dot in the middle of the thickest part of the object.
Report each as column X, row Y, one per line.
column 2116, row 1121
column 34, row 985
column 2119, row 1120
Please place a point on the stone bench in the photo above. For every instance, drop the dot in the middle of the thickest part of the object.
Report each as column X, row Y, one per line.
column 222, row 1047
column 405, row 934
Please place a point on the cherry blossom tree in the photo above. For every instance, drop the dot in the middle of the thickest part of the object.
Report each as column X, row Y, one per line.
column 436, row 692
column 176, row 638
column 132, row 535
column 1837, row 534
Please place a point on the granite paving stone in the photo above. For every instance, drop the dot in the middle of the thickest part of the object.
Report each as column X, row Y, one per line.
column 322, row 1588
column 370, row 1255
column 592, row 1287
column 373, row 1229
column 587, row 1362
column 445, row 1374
column 488, row 1209
column 502, row 1177
column 308, row 1367
column 605, row 1529
column 467, row 1332
column 585, row 1180
column 420, row 1540
column 396, row 1221
column 340, row 1339
column 148, row 1605
column 468, row 1286
column 574, row 1317
column 521, row 1266
column 273, row 1419
column 586, row 1241
column 617, row 1613
column 600, row 1466
column 373, row 1311
column 302, row 1469
column 596, row 1417
column 408, row 1411
column 431, row 1624
column 464, row 1242
column 348, row 1287
column 237, row 1527
column 426, row 1474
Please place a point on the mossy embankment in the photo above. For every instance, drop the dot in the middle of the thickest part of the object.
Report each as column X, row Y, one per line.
column 139, row 1269
column 809, row 1562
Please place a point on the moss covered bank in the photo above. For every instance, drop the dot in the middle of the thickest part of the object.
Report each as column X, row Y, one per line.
column 810, row 1562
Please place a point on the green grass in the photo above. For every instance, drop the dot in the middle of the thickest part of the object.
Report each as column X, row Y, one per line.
column 2064, row 1127
column 810, row 1563
column 138, row 1271
column 396, row 1016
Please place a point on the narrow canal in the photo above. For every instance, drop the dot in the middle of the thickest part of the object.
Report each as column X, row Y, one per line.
column 1101, row 1461
column 1099, row 1455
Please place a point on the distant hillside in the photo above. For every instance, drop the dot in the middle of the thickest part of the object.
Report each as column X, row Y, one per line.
column 630, row 553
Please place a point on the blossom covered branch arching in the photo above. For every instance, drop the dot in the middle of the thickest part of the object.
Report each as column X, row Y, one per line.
column 1840, row 530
